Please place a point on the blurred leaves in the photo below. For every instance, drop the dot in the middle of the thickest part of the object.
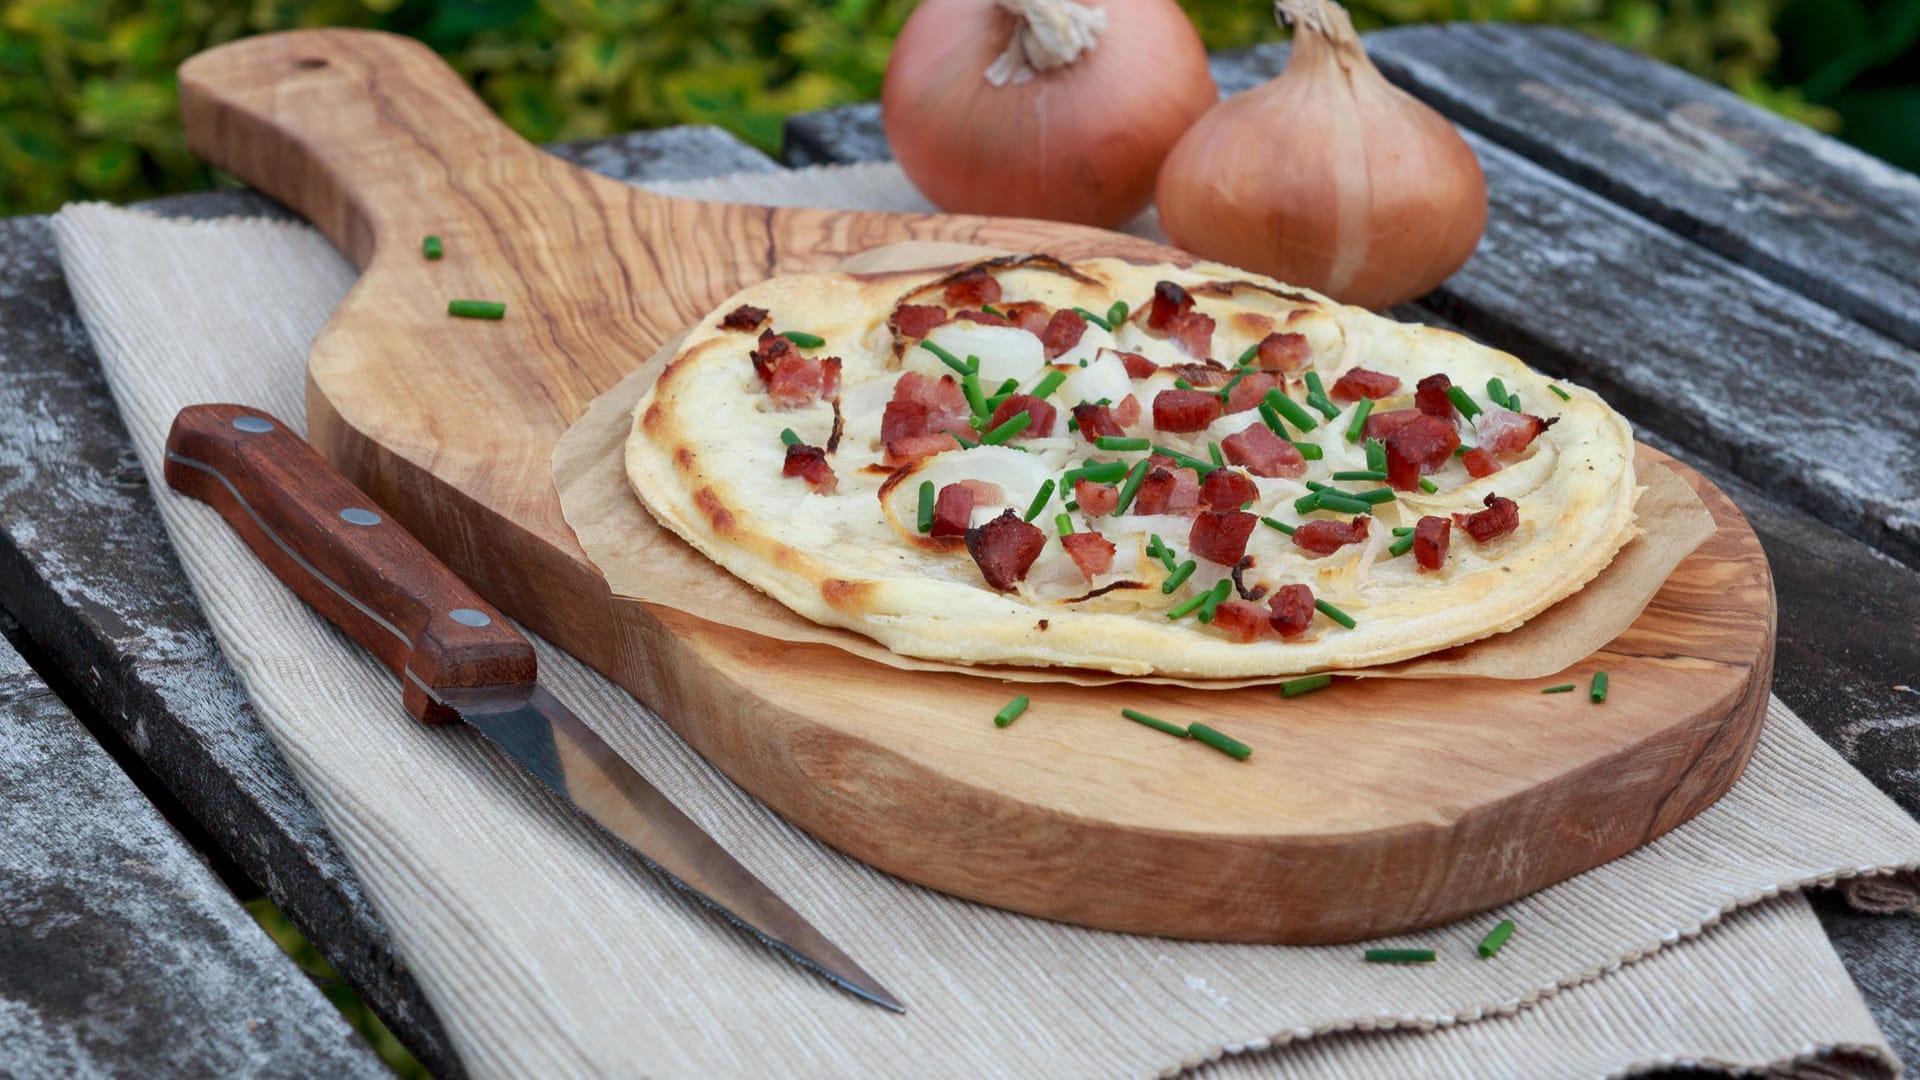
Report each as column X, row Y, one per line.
column 88, row 106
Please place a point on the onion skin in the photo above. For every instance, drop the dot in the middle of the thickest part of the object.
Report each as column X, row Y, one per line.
column 1329, row 177
column 1081, row 143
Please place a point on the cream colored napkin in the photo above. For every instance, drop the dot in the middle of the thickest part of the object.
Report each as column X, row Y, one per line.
column 548, row 954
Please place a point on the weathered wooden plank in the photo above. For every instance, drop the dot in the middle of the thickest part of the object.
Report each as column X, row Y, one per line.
column 120, row 952
column 1806, row 210
column 86, row 567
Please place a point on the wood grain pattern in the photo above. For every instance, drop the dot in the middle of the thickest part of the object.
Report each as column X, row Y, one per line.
column 1365, row 809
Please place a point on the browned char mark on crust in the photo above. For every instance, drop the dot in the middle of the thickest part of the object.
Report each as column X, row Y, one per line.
column 1105, row 589
column 1226, row 288
column 651, row 420
column 1002, row 262
column 683, row 458
column 717, row 514
column 846, row 595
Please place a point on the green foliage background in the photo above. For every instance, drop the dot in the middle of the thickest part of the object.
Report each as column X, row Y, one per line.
column 87, row 100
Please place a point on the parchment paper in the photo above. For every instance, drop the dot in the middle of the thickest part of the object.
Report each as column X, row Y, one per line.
column 647, row 562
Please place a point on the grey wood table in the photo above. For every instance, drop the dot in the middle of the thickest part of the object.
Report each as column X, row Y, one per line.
column 1747, row 291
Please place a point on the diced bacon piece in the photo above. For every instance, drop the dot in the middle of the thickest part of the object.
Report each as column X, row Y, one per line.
column 946, row 403
column 1227, row 489
column 1327, row 537
column 913, row 448
column 1062, row 332
column 984, row 318
column 1430, row 397
column 1194, row 332
column 1169, row 302
column 973, row 288
column 1043, row 415
column 1382, row 424
column 952, row 511
column 1097, row 420
column 1138, row 367
column 1241, row 620
column 914, row 321
column 1127, row 411
column 1283, row 352
column 1004, row 549
column 1184, row 410
column 1505, row 432
column 1168, row 491
column 916, row 421
column 1091, row 552
column 901, row 420
column 1032, row 316
column 1360, row 383
column 799, row 380
column 744, row 317
column 1096, row 500
column 810, row 464
column 1246, row 393
column 772, row 349
column 1421, row 446
column 1208, row 374
column 1290, row 610
column 1221, row 535
column 985, row 492
column 1430, row 537
column 1479, row 462
column 1501, row 516
column 1261, row 452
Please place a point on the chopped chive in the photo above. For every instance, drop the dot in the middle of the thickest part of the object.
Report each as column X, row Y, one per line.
column 1117, row 314
column 1316, row 485
column 1306, row 685
column 1307, row 504
column 1154, row 722
column 1463, row 401
column 1401, row 546
column 1179, row 576
column 1118, row 443
column 961, row 439
column 1180, row 383
column 1094, row 319
column 1073, row 506
column 1314, row 385
column 1073, row 424
column 958, row 365
column 1341, row 502
column 1360, row 474
column 1597, row 692
column 1317, row 397
column 1007, row 386
column 926, row 505
column 1564, row 396
column 1462, row 450
column 788, row 436
column 1014, row 709
column 1063, row 524
column 1011, row 426
column 430, row 247
column 1334, row 613
column 1308, row 451
column 991, row 310
column 803, row 339
column 1497, row 392
column 1563, row 688
column 1375, row 497
column 976, row 398
column 1040, row 498
column 1158, row 549
column 1215, row 597
column 1219, row 459
column 1083, row 361
column 1272, row 419
column 1403, row 530
column 1246, row 358
column 1186, row 606
column 1495, row 938
column 1357, row 423
column 1186, row 461
column 1272, row 524
column 1427, row 485
column 1155, row 545
column 1399, row 956
column 1224, row 743
column 1376, row 455
column 477, row 309
column 1226, row 391
column 1513, row 401
column 1132, row 487
column 1049, row 383
column 1104, row 473
column 1290, row 409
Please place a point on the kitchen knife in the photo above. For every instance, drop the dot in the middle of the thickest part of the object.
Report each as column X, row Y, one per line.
column 458, row 659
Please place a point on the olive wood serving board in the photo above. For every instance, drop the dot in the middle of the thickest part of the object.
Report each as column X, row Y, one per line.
column 1369, row 808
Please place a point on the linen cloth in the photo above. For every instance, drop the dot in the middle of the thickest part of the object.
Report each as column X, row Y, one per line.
column 547, row 952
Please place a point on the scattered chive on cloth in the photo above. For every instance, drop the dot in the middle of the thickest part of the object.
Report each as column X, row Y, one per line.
column 548, row 953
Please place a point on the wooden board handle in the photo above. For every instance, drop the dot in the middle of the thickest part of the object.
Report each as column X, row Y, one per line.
column 347, row 558
column 322, row 119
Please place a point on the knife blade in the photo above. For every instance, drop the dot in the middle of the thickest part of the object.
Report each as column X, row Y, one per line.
column 459, row 660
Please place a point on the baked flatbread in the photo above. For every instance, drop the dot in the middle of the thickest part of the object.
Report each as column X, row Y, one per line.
column 916, row 376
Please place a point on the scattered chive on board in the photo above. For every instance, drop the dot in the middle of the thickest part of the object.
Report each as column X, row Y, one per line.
column 1357, row 424
column 1495, row 938
column 803, row 339
column 430, row 247
column 1272, row 524
column 1399, row 956
column 1564, row 396
column 1220, row 741
column 1334, row 613
column 927, row 494
column 1563, row 688
column 1305, row 685
column 477, row 309
column 1597, row 692
column 1179, row 576
column 1013, row 709
column 1154, row 722
column 788, row 436
column 1039, row 502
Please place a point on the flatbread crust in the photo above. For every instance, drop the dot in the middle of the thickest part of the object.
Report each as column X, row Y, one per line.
column 705, row 457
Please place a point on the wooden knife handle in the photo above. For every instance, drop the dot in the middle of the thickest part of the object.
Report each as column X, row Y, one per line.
column 344, row 556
